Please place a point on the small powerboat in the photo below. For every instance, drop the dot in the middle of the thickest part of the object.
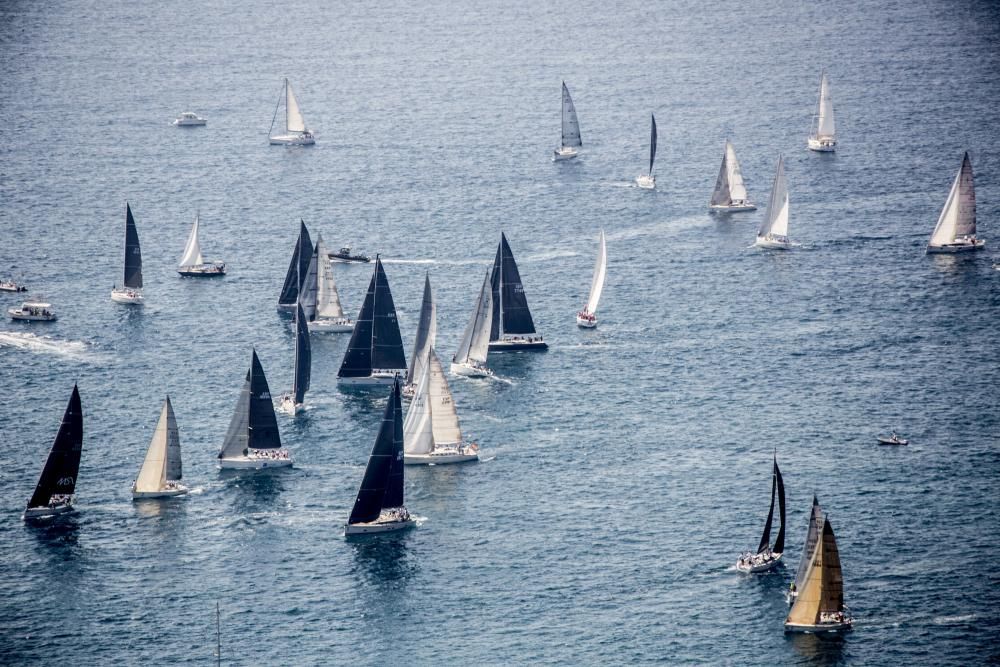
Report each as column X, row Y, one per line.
column 189, row 119
column 11, row 286
column 33, row 311
column 345, row 255
column 893, row 439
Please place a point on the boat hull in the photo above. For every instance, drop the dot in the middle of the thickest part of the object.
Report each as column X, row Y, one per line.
column 889, row 441
column 43, row 512
column 586, row 322
column 772, row 244
column 13, row 288
column 564, row 153
column 126, row 296
column 646, row 182
column 164, row 493
column 288, row 406
column 331, row 326
column 441, row 457
column 348, row 259
column 374, row 380
column 733, row 208
column 377, row 527
column 470, row 371
column 203, row 271
column 953, row 248
column 17, row 314
column 292, row 140
column 756, row 568
column 821, row 628
column 245, row 463
column 518, row 344
column 822, row 145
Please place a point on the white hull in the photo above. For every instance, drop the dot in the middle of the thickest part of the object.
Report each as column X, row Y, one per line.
column 288, row 406
column 732, row 208
column 331, row 326
column 514, row 344
column 586, row 322
column 377, row 527
column 470, row 371
column 128, row 296
column 42, row 512
column 178, row 490
column 12, row 287
column 441, row 456
column 774, row 244
column 292, row 140
column 190, row 123
column 755, row 568
column 18, row 314
column 823, row 144
column 373, row 380
column 564, row 153
column 253, row 463
column 646, row 182
column 957, row 247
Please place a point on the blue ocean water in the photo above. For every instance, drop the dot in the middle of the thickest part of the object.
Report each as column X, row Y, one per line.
column 625, row 468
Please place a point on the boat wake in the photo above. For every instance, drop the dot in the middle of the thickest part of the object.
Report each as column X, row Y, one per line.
column 409, row 261
column 955, row 620
column 552, row 254
column 69, row 349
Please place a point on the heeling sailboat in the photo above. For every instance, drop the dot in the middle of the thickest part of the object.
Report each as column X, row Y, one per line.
column 160, row 474
column 57, row 483
column 512, row 327
column 819, row 606
column 192, row 264
column 296, row 132
column 648, row 181
column 730, row 194
column 424, row 341
column 379, row 506
column 773, row 232
column 812, row 534
column 956, row 226
column 570, row 141
column 252, row 440
column 587, row 317
column 328, row 315
column 375, row 354
column 823, row 137
column 293, row 403
column 298, row 268
column 768, row 555
column 431, row 432
column 130, row 291
column 470, row 359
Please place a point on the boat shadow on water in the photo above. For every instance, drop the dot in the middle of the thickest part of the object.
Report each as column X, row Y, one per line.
column 819, row 649
column 57, row 535
column 383, row 557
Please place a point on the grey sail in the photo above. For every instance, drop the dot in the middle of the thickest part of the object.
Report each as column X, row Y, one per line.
column 133, row 255
column 303, row 356
column 309, row 290
column 812, row 535
column 297, row 270
column 721, row 195
column 173, row 463
column 475, row 342
column 570, row 124
column 966, row 218
column 254, row 424
column 426, row 334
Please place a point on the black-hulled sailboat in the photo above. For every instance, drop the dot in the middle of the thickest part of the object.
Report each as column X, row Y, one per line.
column 425, row 340
column 512, row 328
column 130, row 290
column 379, row 506
column 298, row 268
column 768, row 555
column 252, row 440
column 57, row 483
column 292, row 403
column 812, row 534
column 375, row 354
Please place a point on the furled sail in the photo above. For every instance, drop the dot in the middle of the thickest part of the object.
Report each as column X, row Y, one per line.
column 475, row 342
column 824, row 117
column 303, row 356
column 822, row 591
column 418, row 434
column 958, row 217
column 328, row 299
column 511, row 314
column 600, row 276
column 375, row 342
column 372, row 494
column 298, row 268
column 133, row 255
column 254, row 424
column 63, row 463
column 192, row 251
column 444, row 419
column 815, row 523
column 293, row 116
column 426, row 334
column 153, row 473
column 570, row 124
column 776, row 220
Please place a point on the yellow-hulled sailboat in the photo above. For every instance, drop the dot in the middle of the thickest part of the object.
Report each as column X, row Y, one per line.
column 819, row 605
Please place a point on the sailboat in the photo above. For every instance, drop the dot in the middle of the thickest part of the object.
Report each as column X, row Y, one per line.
column 648, row 181
column 812, row 535
column 819, row 605
column 252, row 440
column 54, row 491
column 131, row 288
column 379, row 506
column 296, row 132
column 823, row 138
column 470, row 359
column 328, row 315
column 587, row 318
column 570, row 141
column 431, row 432
column 292, row 403
column 768, row 555
column 730, row 194
column 512, row 327
column 160, row 474
column 192, row 264
column 956, row 227
column 773, row 232
column 425, row 340
column 375, row 354
column 298, row 268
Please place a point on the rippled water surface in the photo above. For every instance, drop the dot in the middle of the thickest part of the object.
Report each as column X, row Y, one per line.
column 625, row 468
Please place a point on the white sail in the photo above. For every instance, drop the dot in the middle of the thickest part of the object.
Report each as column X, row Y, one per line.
column 153, row 474
column 293, row 115
column 426, row 333
column 958, row 217
column 824, row 120
column 600, row 275
column 570, row 124
column 475, row 342
column 328, row 299
column 192, row 251
column 737, row 190
column 444, row 419
column 776, row 220
column 418, row 437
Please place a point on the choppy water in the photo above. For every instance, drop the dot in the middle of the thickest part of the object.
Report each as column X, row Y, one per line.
column 626, row 467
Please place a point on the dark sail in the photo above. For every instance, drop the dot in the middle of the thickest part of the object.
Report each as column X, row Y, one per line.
column 387, row 344
column 297, row 268
column 174, row 472
column 303, row 355
column 263, row 425
column 510, row 306
column 368, row 504
column 779, row 541
column 812, row 535
column 652, row 145
column 63, row 464
column 394, row 486
column 358, row 358
column 766, row 537
column 133, row 256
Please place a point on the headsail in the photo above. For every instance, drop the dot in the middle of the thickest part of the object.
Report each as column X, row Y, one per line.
column 153, row 473
column 418, row 435
column 721, row 195
column 192, row 251
column 444, row 419
column 394, row 485
column 368, row 505
column 133, row 255
column 426, row 334
column 570, row 124
column 303, row 357
column 600, row 276
column 958, row 217
column 737, row 190
column 475, row 342
column 63, row 463
column 511, row 314
column 776, row 220
column 822, row 591
column 824, row 116
column 173, row 445
column 652, row 143
column 815, row 524
column 328, row 300
column 293, row 115
column 298, row 268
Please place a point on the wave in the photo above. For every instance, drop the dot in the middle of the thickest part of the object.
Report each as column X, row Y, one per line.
column 70, row 349
column 552, row 254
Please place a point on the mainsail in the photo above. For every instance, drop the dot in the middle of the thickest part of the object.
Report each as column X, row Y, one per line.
column 652, row 143
column 293, row 115
column 570, row 124
column 511, row 314
column 163, row 458
column 776, row 220
column 958, row 217
column 822, row 591
column 298, row 268
column 444, row 419
column 475, row 342
column 192, row 251
column 812, row 535
column 382, row 485
column 327, row 300
column 133, row 256
column 254, row 424
column 600, row 275
column 824, row 115
column 303, row 357
column 309, row 285
column 426, row 334
column 63, row 463
column 777, row 486
column 375, row 342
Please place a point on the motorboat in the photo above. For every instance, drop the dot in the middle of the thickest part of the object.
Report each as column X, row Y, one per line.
column 189, row 119
column 570, row 140
column 892, row 439
column 130, row 291
column 296, row 132
column 33, row 311
column 11, row 286
column 345, row 255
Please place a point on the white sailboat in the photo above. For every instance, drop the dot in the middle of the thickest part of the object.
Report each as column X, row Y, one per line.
column 192, row 264
column 956, row 227
column 431, row 434
column 424, row 341
column 647, row 181
column 823, row 138
column 329, row 315
column 730, row 194
column 587, row 318
column 570, row 141
column 773, row 232
column 470, row 359
column 130, row 291
column 296, row 132
column 160, row 474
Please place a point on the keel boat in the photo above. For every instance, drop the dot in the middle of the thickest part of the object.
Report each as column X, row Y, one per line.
column 823, row 137
column 130, row 291
column 570, row 140
column 253, row 441
column 773, row 232
column 587, row 318
column 470, row 359
column 160, row 474
column 375, row 353
column 956, row 227
column 431, row 433
column 819, row 606
column 56, row 485
column 296, row 132
column 647, row 181
column 767, row 555
column 192, row 264
column 512, row 327
column 730, row 194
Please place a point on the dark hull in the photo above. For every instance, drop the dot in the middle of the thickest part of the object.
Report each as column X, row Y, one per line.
column 202, row 274
column 509, row 346
column 349, row 258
